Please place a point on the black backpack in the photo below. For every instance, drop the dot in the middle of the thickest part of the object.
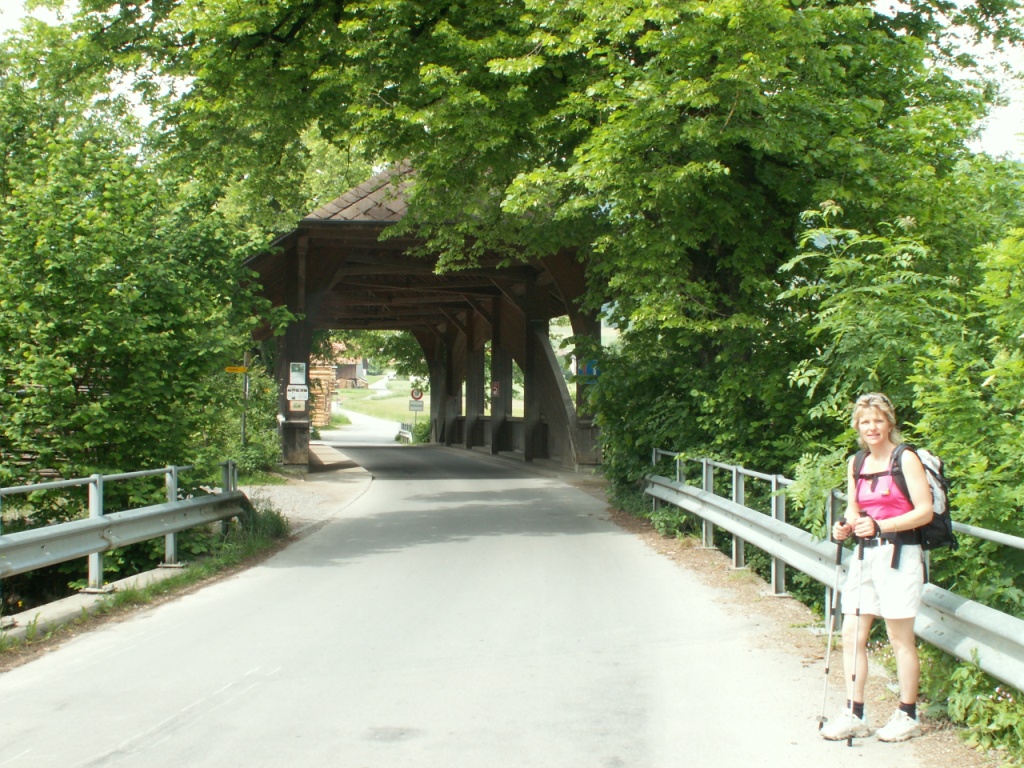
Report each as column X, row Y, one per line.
column 939, row 532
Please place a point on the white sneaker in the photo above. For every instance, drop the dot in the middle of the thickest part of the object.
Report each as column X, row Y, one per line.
column 844, row 726
column 900, row 727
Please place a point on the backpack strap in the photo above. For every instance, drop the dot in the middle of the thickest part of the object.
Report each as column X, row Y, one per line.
column 896, row 468
column 893, row 469
column 858, row 463
column 903, row 537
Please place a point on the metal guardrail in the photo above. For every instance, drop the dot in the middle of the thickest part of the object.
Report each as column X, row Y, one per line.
column 964, row 628
column 405, row 431
column 49, row 545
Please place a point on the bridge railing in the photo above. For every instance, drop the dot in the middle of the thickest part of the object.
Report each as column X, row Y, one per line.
column 27, row 550
column 963, row 628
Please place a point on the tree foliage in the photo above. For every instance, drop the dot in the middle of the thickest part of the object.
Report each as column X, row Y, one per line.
column 396, row 350
column 690, row 132
column 673, row 145
column 121, row 295
column 940, row 334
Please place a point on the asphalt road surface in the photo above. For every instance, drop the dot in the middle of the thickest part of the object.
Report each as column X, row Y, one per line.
column 461, row 613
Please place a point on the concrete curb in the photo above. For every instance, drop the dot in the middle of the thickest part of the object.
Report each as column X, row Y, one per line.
column 40, row 620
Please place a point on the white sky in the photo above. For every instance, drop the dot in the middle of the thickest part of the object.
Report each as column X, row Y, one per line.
column 1003, row 134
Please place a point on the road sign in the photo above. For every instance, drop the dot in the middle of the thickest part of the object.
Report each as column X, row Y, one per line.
column 415, row 405
column 237, row 369
column 297, row 392
column 416, row 394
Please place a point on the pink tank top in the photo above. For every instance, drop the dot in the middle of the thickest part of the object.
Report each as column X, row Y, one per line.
column 880, row 497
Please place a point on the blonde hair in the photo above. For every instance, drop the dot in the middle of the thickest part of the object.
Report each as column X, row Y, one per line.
column 880, row 403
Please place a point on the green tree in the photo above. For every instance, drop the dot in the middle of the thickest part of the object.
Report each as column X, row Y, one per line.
column 691, row 132
column 940, row 332
column 398, row 350
column 120, row 293
column 673, row 145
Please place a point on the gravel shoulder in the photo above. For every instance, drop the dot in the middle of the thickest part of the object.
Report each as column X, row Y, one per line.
column 310, row 499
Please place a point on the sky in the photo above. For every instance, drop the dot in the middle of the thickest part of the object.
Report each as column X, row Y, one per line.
column 1003, row 133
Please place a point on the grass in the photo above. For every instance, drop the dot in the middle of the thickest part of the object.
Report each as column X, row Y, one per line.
column 393, row 406
column 262, row 478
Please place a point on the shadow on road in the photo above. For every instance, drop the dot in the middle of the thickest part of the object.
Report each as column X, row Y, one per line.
column 380, row 523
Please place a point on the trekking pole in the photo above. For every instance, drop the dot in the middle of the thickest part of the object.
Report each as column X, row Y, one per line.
column 856, row 638
column 831, row 629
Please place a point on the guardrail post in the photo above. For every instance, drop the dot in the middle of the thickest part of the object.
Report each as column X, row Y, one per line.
column 95, row 510
column 739, row 546
column 779, row 513
column 171, row 539
column 655, row 503
column 707, row 530
column 229, row 481
column 2, row 618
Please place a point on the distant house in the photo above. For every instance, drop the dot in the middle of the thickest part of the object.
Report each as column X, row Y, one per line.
column 351, row 374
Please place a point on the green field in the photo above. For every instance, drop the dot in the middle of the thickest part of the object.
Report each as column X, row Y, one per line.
column 394, row 406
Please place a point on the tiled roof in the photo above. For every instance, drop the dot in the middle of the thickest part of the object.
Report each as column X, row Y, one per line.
column 379, row 198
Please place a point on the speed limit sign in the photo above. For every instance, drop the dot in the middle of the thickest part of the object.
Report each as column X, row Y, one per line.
column 416, row 394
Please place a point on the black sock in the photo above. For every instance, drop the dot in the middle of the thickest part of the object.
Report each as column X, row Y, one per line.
column 910, row 709
column 857, row 707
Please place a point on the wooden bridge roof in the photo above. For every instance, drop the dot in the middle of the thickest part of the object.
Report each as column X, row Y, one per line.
column 335, row 268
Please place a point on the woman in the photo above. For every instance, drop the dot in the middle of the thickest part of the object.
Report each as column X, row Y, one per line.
column 888, row 581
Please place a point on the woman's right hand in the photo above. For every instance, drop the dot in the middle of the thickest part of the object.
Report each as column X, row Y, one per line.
column 841, row 530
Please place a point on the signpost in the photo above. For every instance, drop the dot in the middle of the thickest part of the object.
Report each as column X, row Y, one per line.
column 416, row 404
column 243, row 369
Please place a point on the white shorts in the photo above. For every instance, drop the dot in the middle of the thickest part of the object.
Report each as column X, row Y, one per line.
column 883, row 590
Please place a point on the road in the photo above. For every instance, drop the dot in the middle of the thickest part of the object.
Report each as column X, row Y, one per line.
column 463, row 612
column 364, row 430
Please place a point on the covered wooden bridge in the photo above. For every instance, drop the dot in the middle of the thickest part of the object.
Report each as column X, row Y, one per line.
column 335, row 272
